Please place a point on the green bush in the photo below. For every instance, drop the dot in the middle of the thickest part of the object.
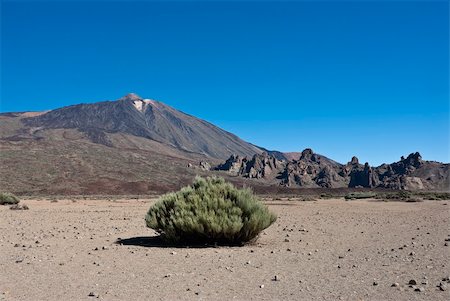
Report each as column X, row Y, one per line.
column 399, row 195
column 8, row 199
column 435, row 196
column 307, row 199
column 209, row 211
column 360, row 195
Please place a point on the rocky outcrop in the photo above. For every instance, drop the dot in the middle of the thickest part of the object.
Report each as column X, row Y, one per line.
column 311, row 170
column 234, row 165
column 314, row 170
column 259, row 166
column 203, row 165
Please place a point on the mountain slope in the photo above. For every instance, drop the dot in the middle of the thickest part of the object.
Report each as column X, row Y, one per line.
column 145, row 118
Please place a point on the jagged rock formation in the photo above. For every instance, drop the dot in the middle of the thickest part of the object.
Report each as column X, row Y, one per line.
column 258, row 167
column 314, row 170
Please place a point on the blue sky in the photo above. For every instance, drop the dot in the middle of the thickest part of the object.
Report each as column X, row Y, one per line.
column 368, row 78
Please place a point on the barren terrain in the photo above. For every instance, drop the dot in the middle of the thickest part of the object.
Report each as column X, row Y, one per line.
column 322, row 250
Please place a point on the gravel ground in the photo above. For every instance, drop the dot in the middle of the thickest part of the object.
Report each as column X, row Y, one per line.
column 324, row 250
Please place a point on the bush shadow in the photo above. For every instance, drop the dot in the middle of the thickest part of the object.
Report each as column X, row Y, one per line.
column 158, row 242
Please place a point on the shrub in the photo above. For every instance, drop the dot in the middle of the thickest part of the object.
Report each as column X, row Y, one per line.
column 326, row 196
column 307, row 199
column 436, row 196
column 360, row 195
column 209, row 211
column 19, row 207
column 399, row 195
column 8, row 199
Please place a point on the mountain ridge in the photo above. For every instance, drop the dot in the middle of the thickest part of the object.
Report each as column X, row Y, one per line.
column 140, row 145
column 312, row 170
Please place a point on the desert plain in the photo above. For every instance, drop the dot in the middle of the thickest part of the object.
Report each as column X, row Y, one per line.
column 318, row 250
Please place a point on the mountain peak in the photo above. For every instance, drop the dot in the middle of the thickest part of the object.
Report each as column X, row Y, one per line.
column 137, row 101
column 131, row 96
column 306, row 153
column 145, row 118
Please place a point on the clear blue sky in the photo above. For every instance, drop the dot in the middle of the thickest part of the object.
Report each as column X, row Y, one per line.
column 368, row 78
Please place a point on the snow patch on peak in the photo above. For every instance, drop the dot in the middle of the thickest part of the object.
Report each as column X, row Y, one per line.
column 142, row 104
column 139, row 105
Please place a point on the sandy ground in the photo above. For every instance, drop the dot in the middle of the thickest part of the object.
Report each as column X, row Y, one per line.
column 325, row 250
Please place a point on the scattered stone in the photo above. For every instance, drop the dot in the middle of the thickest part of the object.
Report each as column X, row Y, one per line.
column 173, row 253
column 412, row 282
column 375, row 283
column 261, row 286
column 276, row 278
column 419, row 289
column 92, row 294
column 442, row 286
column 395, row 284
column 286, row 240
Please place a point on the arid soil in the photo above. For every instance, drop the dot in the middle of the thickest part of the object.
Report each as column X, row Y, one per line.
column 324, row 250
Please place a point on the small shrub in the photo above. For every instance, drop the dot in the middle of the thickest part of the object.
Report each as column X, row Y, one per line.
column 209, row 211
column 413, row 200
column 307, row 199
column 436, row 196
column 360, row 195
column 326, row 196
column 400, row 195
column 8, row 199
column 19, row 207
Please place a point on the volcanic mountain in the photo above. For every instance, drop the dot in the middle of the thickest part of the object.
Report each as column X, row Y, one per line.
column 144, row 118
column 141, row 146
column 132, row 145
